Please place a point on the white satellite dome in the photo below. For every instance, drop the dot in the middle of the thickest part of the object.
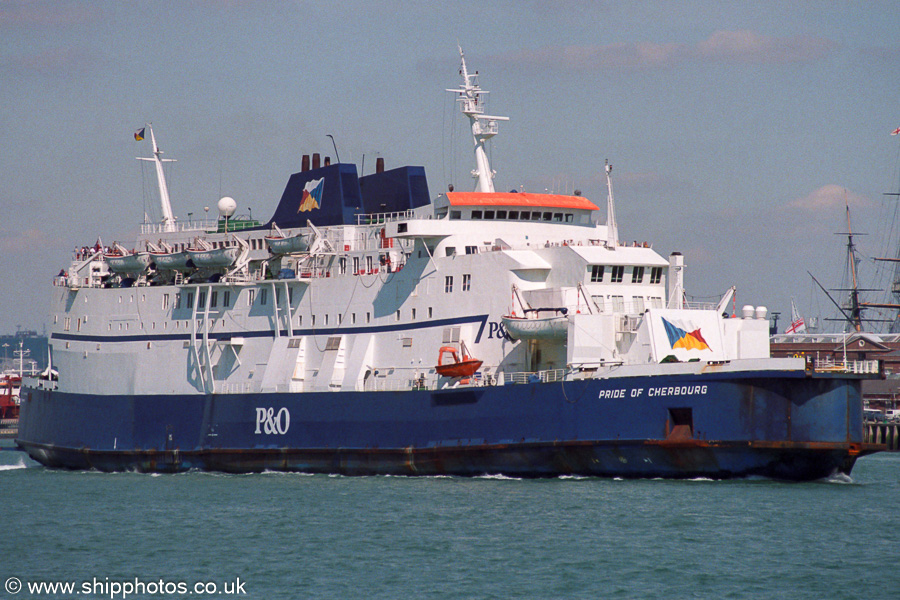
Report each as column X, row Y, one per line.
column 226, row 206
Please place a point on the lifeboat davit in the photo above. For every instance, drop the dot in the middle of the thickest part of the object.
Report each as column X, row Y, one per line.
column 458, row 368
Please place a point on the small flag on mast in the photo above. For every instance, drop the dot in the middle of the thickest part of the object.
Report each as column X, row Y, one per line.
column 139, row 134
column 797, row 323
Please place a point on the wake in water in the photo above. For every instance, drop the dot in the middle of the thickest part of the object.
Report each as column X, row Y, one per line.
column 840, row 478
column 19, row 465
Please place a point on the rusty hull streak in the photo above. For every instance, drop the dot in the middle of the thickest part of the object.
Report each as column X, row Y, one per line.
column 576, row 457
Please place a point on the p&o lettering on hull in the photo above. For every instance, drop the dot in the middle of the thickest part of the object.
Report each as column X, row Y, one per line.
column 272, row 423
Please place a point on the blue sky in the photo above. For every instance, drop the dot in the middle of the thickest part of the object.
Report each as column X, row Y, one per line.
column 737, row 129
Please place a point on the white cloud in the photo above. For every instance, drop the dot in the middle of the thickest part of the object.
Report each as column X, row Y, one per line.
column 743, row 46
column 828, row 198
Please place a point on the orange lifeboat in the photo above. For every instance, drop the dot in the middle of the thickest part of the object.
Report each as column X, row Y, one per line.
column 458, row 368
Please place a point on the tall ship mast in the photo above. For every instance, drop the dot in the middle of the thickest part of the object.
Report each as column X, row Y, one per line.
column 369, row 327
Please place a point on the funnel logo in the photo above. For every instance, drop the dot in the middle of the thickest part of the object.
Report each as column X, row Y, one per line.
column 312, row 195
column 679, row 338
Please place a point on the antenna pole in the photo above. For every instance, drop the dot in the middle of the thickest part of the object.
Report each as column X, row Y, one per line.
column 484, row 126
column 612, row 231
column 165, row 206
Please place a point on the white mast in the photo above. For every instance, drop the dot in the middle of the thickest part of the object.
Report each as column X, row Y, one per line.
column 168, row 218
column 612, row 230
column 484, row 126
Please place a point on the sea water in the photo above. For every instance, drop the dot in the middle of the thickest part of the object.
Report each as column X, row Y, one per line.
column 273, row 535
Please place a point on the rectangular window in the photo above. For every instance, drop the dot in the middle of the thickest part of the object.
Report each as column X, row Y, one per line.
column 353, row 318
column 412, row 314
column 637, row 275
column 448, row 284
column 598, row 302
column 263, row 295
column 513, row 215
column 501, row 214
column 397, row 315
column 638, row 305
column 368, row 317
column 471, row 249
column 525, row 216
column 618, row 272
column 596, row 273
column 214, row 299
column 226, row 299
column 165, row 302
column 333, row 343
column 369, row 263
column 488, row 214
column 548, row 216
column 430, row 312
column 536, row 216
column 356, row 265
column 201, row 300
column 291, row 296
column 451, row 251
column 557, row 217
column 342, row 265
column 251, row 296
column 656, row 302
column 568, row 217
column 655, row 275
column 178, row 300
column 455, row 214
column 618, row 303
column 476, row 214
column 466, row 282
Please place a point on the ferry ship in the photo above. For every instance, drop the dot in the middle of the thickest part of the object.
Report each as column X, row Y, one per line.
column 368, row 328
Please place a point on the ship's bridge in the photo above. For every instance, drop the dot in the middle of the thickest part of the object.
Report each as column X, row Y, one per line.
column 515, row 206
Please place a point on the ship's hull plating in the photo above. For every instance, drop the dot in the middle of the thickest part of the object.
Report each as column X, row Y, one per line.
column 779, row 425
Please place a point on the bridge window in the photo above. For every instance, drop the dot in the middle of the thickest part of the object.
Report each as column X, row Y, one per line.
column 637, row 275
column 454, row 214
column 618, row 272
column 471, row 249
column 536, row 216
column 525, row 216
column 547, row 216
column 488, row 214
column 596, row 273
column 513, row 215
column 476, row 214
column 655, row 275
column 557, row 217
column 501, row 214
column 568, row 217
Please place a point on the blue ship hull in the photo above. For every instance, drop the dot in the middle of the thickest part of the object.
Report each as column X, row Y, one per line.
column 784, row 425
